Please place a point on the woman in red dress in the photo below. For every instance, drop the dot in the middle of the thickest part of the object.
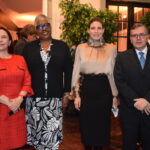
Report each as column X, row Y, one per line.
column 15, row 83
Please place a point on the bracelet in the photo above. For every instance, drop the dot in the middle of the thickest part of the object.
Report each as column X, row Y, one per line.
column 115, row 96
column 67, row 95
column 76, row 95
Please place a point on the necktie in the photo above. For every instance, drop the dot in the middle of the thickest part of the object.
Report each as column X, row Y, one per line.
column 142, row 59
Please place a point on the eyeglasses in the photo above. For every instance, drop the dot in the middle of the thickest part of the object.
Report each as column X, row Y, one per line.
column 141, row 35
column 40, row 27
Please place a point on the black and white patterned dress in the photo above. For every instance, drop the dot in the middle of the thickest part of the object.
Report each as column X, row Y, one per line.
column 44, row 117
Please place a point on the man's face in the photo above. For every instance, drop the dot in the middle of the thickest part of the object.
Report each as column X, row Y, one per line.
column 139, row 37
column 43, row 29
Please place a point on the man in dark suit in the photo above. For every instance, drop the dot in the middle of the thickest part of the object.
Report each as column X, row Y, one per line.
column 132, row 77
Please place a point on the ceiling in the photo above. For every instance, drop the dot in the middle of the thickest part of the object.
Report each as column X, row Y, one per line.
column 6, row 22
column 23, row 6
column 20, row 12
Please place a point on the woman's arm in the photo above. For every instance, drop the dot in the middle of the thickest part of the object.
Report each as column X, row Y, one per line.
column 75, row 80
column 26, row 89
column 26, row 86
column 16, row 102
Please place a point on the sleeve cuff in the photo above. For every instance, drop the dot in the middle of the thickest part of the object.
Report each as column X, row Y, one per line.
column 28, row 89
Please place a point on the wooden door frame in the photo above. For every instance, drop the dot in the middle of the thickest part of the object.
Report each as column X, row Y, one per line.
column 130, row 6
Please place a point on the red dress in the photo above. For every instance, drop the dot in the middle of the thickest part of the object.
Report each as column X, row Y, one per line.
column 14, row 77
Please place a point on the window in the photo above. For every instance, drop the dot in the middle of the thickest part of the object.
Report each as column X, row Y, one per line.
column 121, row 35
column 130, row 13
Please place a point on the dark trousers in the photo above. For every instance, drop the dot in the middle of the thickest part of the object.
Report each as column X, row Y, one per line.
column 135, row 128
column 92, row 147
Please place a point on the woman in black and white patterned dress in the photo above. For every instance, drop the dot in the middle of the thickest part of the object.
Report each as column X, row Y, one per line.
column 50, row 65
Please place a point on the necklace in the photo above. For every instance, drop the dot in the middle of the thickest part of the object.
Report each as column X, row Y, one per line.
column 96, row 43
column 5, row 56
column 45, row 45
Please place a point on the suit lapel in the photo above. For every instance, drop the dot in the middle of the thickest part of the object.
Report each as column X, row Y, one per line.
column 38, row 52
column 147, row 57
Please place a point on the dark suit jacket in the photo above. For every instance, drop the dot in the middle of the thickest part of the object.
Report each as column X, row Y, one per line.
column 132, row 82
column 59, row 68
column 21, row 43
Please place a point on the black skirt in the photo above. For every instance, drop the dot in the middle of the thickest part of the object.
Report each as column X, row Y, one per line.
column 95, row 111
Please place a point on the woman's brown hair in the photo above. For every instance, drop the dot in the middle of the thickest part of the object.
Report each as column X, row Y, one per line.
column 96, row 19
column 11, row 46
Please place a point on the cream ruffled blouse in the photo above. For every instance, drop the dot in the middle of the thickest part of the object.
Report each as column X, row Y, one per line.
column 92, row 60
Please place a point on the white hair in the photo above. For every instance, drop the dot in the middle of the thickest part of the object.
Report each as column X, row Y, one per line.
column 38, row 17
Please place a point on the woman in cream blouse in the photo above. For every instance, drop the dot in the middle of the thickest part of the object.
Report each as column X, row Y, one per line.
column 94, row 88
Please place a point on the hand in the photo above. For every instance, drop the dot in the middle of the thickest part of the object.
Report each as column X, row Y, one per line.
column 147, row 109
column 77, row 103
column 4, row 100
column 115, row 103
column 140, row 103
column 65, row 102
column 66, row 98
column 15, row 103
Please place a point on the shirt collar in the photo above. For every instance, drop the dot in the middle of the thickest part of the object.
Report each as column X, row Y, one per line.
column 49, row 48
column 144, row 51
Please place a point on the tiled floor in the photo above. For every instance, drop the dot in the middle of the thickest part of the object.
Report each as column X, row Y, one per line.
column 72, row 135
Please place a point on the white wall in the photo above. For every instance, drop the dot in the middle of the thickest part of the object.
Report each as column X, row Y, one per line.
column 98, row 4
column 52, row 10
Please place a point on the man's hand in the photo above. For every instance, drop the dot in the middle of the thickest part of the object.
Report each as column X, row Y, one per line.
column 140, row 103
column 147, row 109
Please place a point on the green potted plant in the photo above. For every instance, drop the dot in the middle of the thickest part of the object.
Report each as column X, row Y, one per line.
column 76, row 18
column 146, row 20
